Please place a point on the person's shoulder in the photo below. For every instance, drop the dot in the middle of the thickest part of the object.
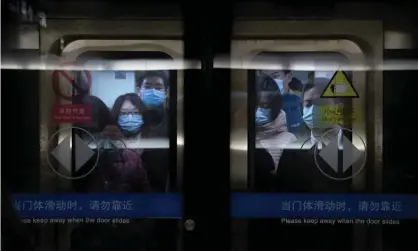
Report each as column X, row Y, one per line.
column 287, row 138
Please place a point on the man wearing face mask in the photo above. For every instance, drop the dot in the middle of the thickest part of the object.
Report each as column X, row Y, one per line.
column 298, row 173
column 153, row 90
column 291, row 89
column 313, row 106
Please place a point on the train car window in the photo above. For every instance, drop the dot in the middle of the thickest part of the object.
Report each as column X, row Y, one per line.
column 116, row 140
column 297, row 118
column 297, row 111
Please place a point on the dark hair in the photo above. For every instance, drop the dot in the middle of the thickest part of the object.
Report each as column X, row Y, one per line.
column 133, row 98
column 100, row 113
column 267, row 83
column 307, row 87
column 276, row 105
column 148, row 74
column 274, row 102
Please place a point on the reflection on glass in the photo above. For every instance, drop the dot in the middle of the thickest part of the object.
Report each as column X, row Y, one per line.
column 130, row 113
column 129, row 123
column 293, row 123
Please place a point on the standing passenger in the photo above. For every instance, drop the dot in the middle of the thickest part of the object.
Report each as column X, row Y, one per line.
column 153, row 90
column 313, row 109
column 298, row 172
column 291, row 89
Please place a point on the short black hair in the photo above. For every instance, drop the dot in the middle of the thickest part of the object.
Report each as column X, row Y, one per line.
column 274, row 101
column 148, row 74
column 267, row 83
column 306, row 87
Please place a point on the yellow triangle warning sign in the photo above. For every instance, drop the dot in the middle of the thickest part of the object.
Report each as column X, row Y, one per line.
column 339, row 87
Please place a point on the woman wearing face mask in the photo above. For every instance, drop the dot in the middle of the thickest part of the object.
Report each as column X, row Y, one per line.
column 127, row 112
column 120, row 170
column 133, row 119
column 271, row 125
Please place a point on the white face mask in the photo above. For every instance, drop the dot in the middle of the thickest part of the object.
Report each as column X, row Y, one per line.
column 279, row 83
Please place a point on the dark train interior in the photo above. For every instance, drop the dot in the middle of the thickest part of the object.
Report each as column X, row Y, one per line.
column 175, row 125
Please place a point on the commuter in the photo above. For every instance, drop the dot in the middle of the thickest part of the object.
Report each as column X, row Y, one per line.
column 153, row 90
column 301, row 160
column 286, row 82
column 291, row 89
column 271, row 126
column 128, row 114
column 119, row 169
column 313, row 110
column 299, row 172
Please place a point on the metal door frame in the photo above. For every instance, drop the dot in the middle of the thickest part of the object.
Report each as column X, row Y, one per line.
column 363, row 38
column 67, row 39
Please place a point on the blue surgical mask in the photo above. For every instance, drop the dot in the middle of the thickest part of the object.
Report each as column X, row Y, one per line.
column 130, row 123
column 312, row 116
column 262, row 116
column 152, row 97
column 279, row 83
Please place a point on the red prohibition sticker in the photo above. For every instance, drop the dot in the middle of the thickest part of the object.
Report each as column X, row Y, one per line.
column 69, row 79
column 66, row 113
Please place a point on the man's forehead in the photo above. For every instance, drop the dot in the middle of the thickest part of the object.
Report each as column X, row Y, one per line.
column 311, row 93
column 154, row 80
column 272, row 73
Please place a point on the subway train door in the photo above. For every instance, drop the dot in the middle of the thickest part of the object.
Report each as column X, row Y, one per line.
column 281, row 161
column 114, row 101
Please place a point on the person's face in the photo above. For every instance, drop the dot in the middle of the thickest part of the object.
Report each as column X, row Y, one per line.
column 287, row 78
column 128, row 108
column 156, row 83
column 264, row 99
column 310, row 97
